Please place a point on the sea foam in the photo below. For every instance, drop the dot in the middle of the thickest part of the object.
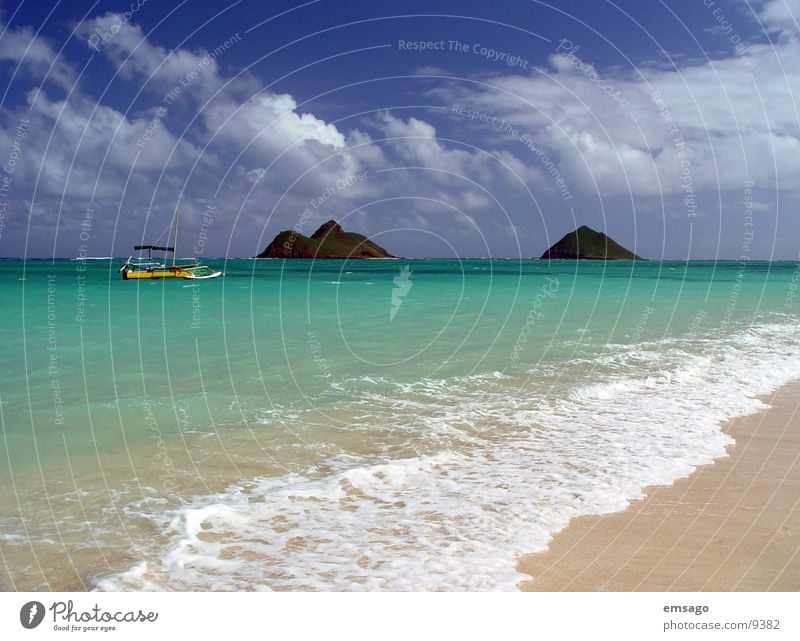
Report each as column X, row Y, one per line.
column 515, row 466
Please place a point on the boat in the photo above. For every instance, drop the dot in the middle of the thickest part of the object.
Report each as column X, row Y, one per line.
column 148, row 268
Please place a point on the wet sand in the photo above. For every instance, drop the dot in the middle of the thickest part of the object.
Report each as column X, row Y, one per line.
column 733, row 525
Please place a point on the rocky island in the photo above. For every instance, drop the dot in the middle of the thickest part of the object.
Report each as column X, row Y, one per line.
column 587, row 244
column 329, row 241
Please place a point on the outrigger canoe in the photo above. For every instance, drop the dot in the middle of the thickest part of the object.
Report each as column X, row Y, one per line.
column 144, row 268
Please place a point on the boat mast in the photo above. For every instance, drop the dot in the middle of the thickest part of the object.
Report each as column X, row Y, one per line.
column 175, row 241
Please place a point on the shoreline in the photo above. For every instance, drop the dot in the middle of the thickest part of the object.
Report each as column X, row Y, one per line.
column 732, row 525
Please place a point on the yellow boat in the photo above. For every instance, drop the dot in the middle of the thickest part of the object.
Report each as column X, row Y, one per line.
column 142, row 268
column 145, row 268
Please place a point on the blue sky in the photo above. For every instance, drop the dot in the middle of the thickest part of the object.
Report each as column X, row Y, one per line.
column 672, row 126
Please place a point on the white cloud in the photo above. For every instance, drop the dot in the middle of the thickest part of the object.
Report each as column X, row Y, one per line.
column 241, row 122
column 270, row 122
column 35, row 54
column 462, row 176
column 737, row 118
column 80, row 149
column 780, row 16
column 269, row 156
column 138, row 59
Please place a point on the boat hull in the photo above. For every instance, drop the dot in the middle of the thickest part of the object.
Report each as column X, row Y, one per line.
column 167, row 272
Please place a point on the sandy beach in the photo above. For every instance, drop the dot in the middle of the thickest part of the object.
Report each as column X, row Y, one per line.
column 733, row 525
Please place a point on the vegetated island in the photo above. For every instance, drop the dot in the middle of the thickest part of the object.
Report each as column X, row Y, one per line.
column 329, row 241
column 587, row 244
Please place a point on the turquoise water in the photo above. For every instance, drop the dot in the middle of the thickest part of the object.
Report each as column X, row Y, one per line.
column 397, row 424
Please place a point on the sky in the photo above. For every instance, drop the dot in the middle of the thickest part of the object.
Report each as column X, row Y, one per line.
column 438, row 129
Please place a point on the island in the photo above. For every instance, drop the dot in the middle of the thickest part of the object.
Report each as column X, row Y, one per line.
column 329, row 241
column 587, row 244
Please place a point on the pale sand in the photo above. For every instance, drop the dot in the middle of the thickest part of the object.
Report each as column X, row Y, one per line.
column 731, row 525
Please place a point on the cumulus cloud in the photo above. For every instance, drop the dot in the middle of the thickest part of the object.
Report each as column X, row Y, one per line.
column 192, row 129
column 276, row 140
column 35, row 54
column 158, row 68
column 780, row 16
column 630, row 131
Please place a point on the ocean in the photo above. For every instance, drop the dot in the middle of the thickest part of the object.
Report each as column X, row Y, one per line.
column 359, row 425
